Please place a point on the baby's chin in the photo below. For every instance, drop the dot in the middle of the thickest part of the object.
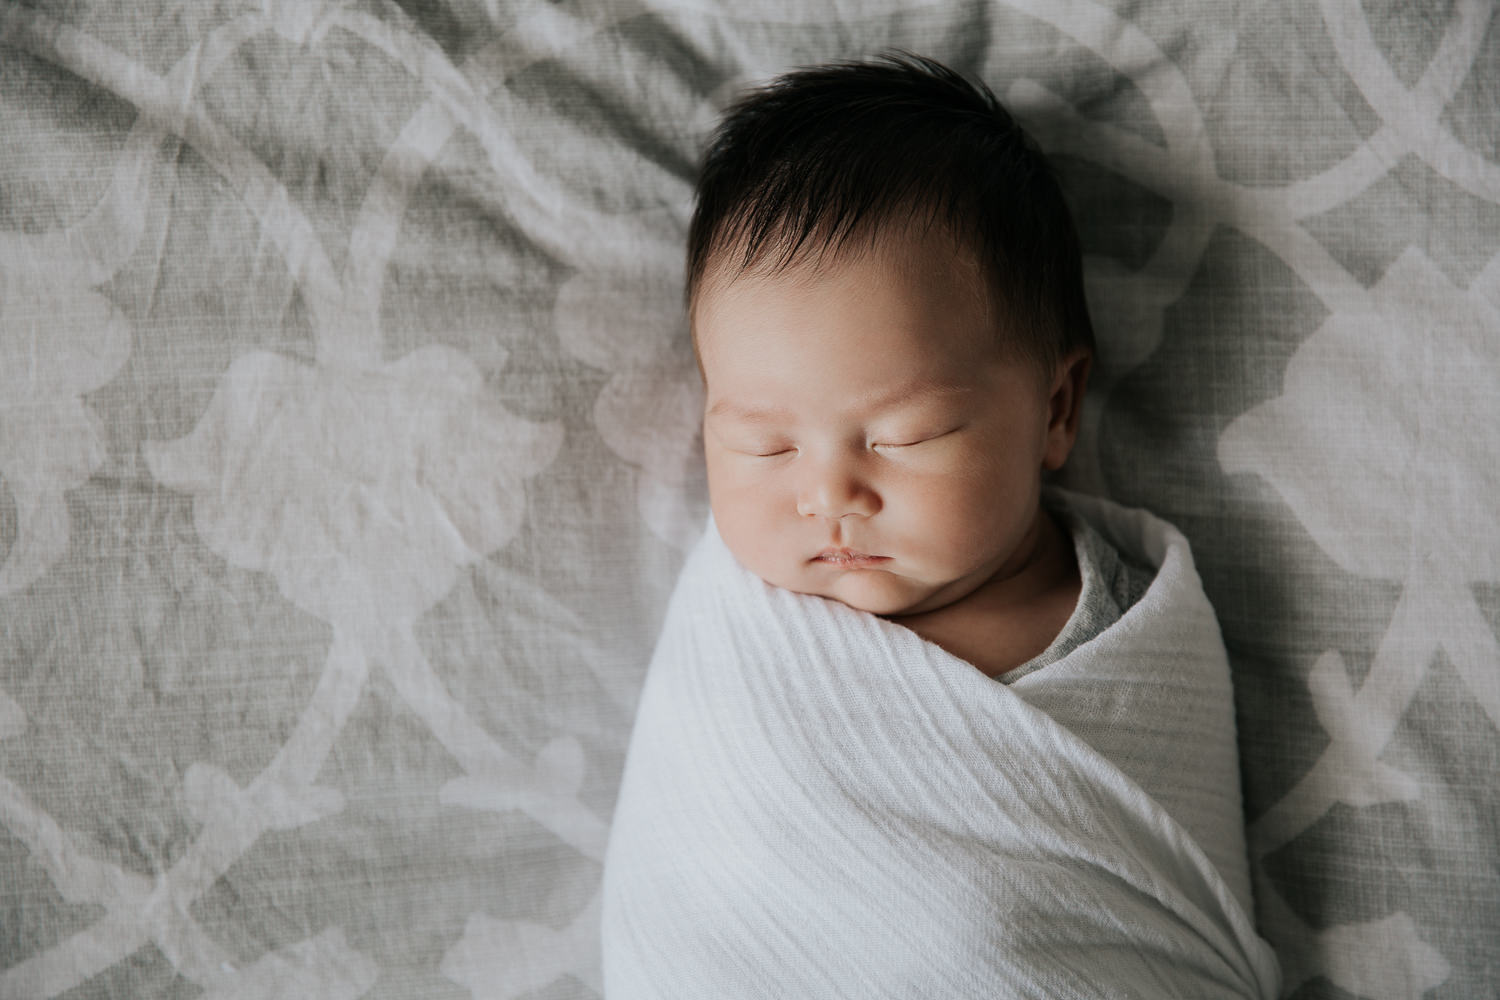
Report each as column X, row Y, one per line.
column 875, row 591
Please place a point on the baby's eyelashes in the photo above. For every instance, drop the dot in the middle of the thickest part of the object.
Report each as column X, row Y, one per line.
column 756, row 449
column 912, row 440
column 751, row 445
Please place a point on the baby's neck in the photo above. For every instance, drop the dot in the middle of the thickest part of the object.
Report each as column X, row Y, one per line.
column 1008, row 620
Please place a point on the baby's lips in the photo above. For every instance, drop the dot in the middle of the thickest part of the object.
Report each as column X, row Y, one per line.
column 848, row 557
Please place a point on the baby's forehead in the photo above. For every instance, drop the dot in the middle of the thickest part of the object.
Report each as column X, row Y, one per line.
column 845, row 340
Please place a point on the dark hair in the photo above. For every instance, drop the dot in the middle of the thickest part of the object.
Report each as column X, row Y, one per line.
column 826, row 153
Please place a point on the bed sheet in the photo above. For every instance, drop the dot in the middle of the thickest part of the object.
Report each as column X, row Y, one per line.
column 348, row 454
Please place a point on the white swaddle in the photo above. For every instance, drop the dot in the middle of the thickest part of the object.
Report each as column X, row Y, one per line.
column 819, row 803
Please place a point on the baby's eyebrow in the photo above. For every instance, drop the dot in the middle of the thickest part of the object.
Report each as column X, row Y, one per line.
column 752, row 414
column 916, row 388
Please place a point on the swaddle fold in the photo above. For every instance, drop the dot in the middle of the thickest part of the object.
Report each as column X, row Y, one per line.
column 819, row 803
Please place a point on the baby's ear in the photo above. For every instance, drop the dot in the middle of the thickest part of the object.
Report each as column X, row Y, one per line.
column 1064, row 405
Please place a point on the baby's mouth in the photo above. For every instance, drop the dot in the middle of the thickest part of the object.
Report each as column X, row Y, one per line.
column 848, row 559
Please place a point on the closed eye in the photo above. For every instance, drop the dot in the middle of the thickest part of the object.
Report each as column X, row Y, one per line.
column 914, row 441
column 770, row 451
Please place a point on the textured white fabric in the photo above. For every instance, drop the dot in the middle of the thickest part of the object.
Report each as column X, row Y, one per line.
column 817, row 802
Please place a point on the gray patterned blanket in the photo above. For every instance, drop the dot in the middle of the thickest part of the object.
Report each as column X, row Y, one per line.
column 348, row 455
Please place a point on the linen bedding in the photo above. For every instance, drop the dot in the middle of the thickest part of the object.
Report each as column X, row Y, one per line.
column 348, row 455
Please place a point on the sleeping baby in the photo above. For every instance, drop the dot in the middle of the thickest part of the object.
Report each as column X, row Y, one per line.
column 827, row 793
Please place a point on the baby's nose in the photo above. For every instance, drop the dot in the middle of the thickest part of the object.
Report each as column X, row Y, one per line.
column 835, row 489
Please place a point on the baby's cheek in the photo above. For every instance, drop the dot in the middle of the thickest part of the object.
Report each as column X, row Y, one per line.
column 744, row 522
column 952, row 505
column 961, row 527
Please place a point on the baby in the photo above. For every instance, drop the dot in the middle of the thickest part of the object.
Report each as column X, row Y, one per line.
column 887, row 303
column 886, row 300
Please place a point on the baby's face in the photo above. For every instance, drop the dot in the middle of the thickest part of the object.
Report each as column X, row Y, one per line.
column 866, row 439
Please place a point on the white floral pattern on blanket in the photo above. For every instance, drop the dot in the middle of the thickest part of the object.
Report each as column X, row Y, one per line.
column 348, row 453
